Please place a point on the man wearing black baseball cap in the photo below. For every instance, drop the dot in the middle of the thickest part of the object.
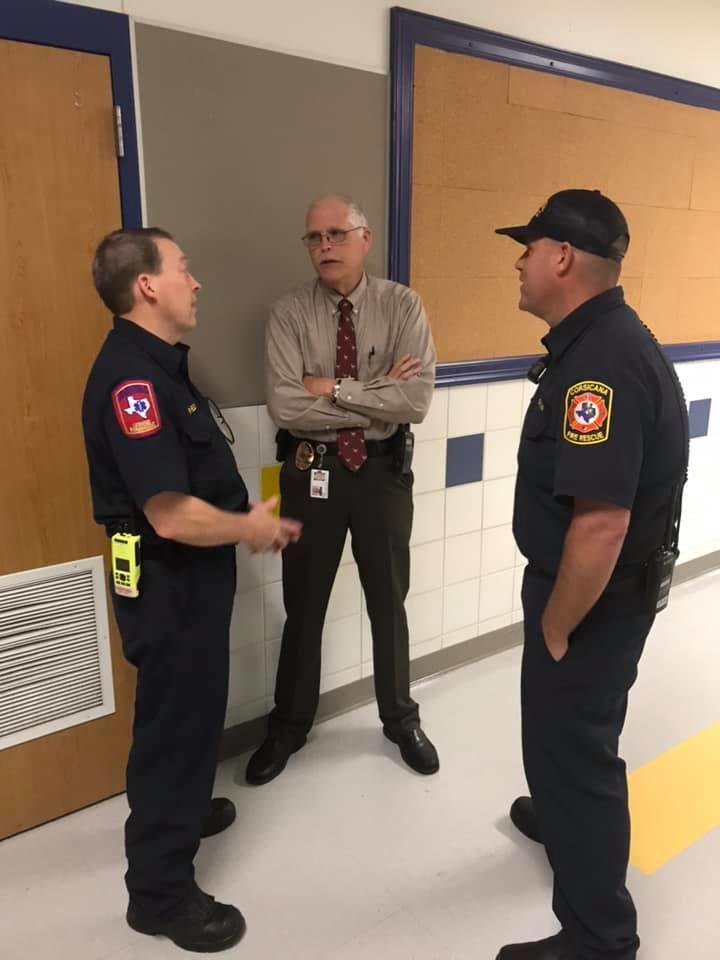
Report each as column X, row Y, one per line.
column 601, row 466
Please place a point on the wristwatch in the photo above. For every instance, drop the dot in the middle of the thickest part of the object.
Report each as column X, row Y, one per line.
column 335, row 391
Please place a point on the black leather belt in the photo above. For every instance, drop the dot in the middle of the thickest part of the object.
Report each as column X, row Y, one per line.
column 375, row 448
column 629, row 579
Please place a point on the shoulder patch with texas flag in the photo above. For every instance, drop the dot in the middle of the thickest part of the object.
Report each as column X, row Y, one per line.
column 588, row 410
column 136, row 408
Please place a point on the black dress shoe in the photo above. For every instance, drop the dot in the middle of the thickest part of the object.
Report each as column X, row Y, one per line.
column 222, row 814
column 201, row 924
column 271, row 759
column 416, row 750
column 522, row 814
column 553, row 948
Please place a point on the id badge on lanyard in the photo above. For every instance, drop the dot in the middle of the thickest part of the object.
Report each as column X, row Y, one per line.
column 319, row 478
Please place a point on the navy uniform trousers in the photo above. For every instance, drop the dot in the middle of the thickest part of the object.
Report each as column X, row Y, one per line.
column 573, row 713
column 177, row 635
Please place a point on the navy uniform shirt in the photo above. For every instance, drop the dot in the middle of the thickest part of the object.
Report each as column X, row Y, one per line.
column 148, row 430
column 607, row 422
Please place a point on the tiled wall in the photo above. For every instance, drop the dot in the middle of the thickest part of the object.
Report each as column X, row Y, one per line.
column 466, row 569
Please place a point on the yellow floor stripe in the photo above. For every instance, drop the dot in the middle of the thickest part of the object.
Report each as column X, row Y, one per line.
column 675, row 800
column 270, row 484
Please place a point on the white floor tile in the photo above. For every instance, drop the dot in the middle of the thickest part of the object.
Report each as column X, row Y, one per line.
column 349, row 854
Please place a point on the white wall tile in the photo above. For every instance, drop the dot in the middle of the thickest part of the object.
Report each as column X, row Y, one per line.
column 274, row 610
column 347, row 554
column 496, row 595
column 460, row 606
column 345, row 595
column 517, row 588
column 238, row 713
column 467, row 413
column 463, row 508
column 366, row 637
column 247, row 674
column 426, row 647
column 505, row 404
column 247, row 626
column 529, row 389
column 243, row 421
column 115, row 5
column 498, row 499
column 429, row 465
column 267, row 431
column 424, row 613
column 459, row 636
column 333, row 681
column 249, row 568
column 495, row 623
column 341, row 645
column 429, row 517
column 252, row 482
column 462, row 557
column 500, row 453
column 435, row 424
column 498, row 549
column 426, row 567
column 271, row 567
column 272, row 658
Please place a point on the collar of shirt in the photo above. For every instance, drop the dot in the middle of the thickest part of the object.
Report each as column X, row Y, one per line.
column 356, row 296
column 557, row 341
column 172, row 358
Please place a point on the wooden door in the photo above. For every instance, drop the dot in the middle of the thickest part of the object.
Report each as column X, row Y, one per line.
column 59, row 193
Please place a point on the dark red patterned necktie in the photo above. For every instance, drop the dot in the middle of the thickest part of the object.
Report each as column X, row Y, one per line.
column 351, row 443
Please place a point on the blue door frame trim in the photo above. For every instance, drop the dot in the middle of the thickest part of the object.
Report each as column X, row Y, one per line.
column 85, row 29
column 408, row 29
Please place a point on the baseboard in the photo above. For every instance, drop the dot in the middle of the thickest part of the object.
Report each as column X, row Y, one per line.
column 247, row 735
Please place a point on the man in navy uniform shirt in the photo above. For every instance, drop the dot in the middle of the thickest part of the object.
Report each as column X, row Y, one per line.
column 601, row 464
column 160, row 467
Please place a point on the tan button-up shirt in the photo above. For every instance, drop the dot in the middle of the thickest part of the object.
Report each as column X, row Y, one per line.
column 301, row 339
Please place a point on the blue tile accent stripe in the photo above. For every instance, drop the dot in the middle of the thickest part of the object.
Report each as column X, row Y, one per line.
column 464, row 459
column 699, row 417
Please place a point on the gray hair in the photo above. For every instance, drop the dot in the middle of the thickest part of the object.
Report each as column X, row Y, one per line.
column 355, row 211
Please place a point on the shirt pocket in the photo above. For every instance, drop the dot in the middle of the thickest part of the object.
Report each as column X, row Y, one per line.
column 203, row 465
column 537, row 420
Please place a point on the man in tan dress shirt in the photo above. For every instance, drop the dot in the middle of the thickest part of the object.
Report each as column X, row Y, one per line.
column 350, row 363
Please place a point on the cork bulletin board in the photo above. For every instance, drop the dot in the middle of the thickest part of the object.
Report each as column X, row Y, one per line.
column 491, row 140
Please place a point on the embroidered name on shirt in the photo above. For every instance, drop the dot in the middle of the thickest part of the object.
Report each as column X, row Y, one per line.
column 588, row 409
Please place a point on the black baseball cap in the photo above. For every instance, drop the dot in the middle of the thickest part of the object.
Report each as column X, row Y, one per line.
column 584, row 218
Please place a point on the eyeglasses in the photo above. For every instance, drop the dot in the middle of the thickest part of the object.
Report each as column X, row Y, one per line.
column 221, row 421
column 335, row 236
